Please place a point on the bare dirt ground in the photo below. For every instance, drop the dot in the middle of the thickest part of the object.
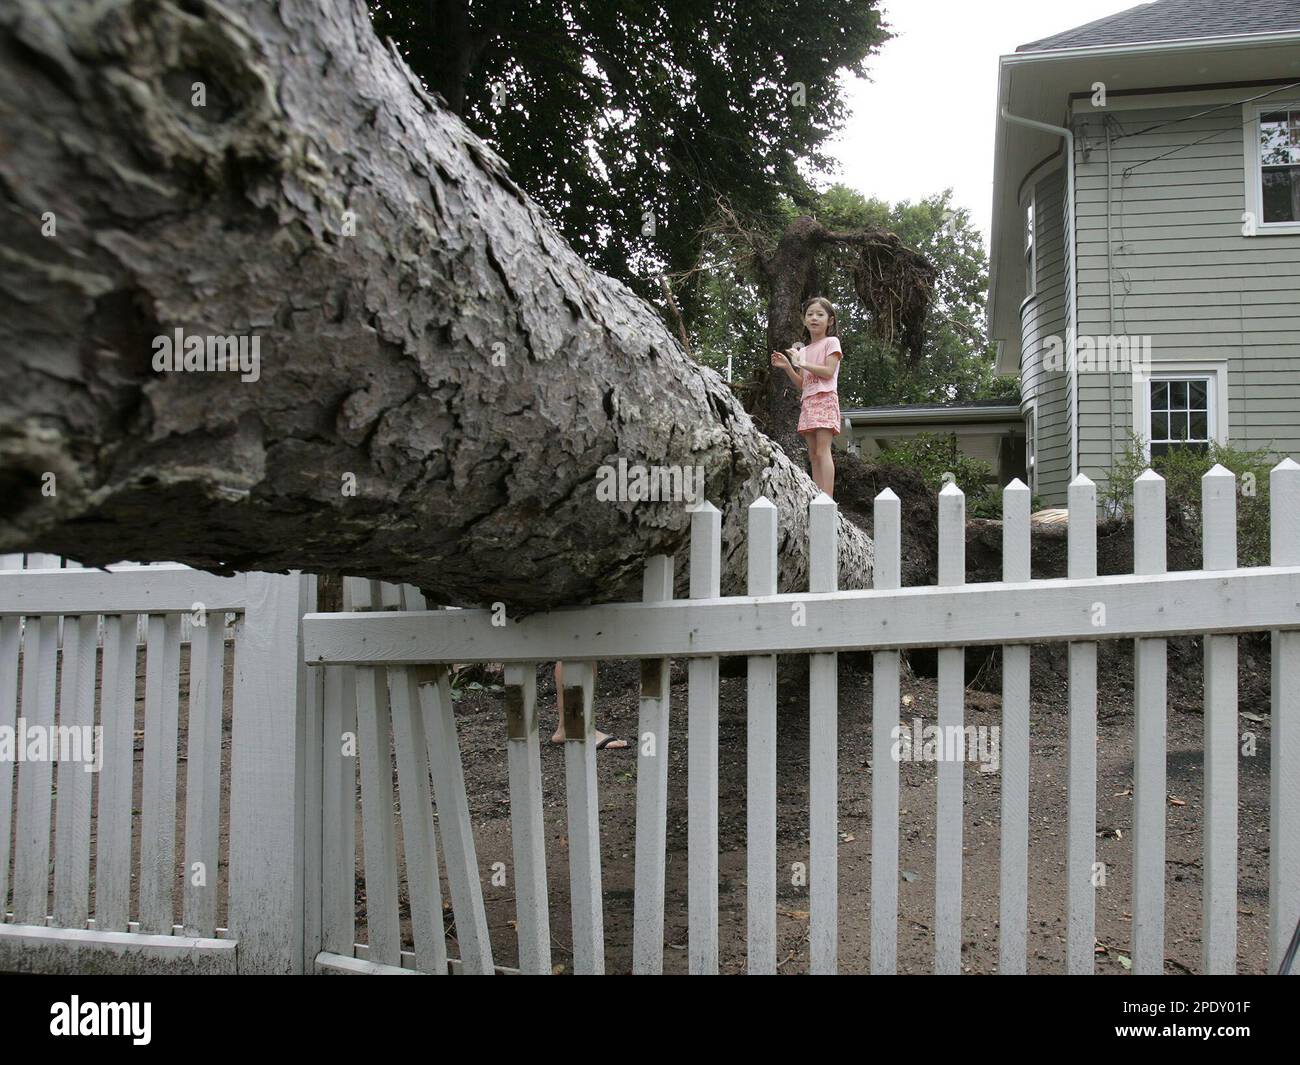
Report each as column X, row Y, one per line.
column 480, row 717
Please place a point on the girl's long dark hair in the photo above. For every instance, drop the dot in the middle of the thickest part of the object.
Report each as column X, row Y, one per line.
column 831, row 327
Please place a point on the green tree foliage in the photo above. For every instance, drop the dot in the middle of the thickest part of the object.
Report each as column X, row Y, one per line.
column 607, row 111
column 957, row 360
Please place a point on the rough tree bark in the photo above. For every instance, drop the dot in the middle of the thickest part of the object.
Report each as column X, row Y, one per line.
column 421, row 326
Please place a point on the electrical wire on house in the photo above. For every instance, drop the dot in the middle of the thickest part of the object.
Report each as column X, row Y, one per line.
column 1187, row 118
column 1208, row 111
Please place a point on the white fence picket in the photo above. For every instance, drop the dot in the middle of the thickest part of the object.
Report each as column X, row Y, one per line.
column 412, row 598
column 362, row 594
column 10, row 645
column 952, row 693
column 651, row 788
column 760, row 756
column 527, row 826
column 1219, row 905
column 419, row 840
column 338, row 816
column 702, row 756
column 203, row 776
column 158, row 806
column 454, row 820
column 379, row 833
column 1284, row 758
column 72, row 812
column 270, row 705
column 583, row 811
column 117, row 778
column 1081, row 816
column 887, row 528
column 309, row 746
column 1013, row 905
column 823, row 748
column 32, row 831
column 1149, row 743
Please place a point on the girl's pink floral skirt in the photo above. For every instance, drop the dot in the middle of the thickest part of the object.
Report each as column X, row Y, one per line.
column 821, row 410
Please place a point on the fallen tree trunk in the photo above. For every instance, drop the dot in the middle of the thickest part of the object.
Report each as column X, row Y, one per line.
column 440, row 384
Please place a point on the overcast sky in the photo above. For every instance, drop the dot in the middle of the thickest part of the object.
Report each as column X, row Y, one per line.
column 941, row 69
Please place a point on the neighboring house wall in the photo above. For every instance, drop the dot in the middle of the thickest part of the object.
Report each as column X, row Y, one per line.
column 1183, row 273
column 1001, row 445
column 1046, row 391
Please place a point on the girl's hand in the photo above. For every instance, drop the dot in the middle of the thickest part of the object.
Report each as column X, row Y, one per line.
column 777, row 356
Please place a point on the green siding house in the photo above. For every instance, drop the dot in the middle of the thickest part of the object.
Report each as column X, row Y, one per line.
column 1145, row 248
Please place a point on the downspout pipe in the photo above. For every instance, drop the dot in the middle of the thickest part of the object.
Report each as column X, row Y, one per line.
column 1072, row 298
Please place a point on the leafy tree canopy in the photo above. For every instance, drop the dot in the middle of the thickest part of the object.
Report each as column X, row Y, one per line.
column 626, row 120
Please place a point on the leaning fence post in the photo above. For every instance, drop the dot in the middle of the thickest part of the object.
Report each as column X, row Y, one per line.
column 1219, row 903
column 1284, row 775
column 267, row 786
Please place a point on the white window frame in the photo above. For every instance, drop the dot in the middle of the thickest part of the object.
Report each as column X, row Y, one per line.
column 1250, row 114
column 1215, row 371
column 1030, row 251
column 1031, row 445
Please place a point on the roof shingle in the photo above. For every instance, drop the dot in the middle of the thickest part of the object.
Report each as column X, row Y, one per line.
column 1172, row 20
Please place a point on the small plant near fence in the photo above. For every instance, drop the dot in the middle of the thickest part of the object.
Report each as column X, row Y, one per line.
column 1182, row 469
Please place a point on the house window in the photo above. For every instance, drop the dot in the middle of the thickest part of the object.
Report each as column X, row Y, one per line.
column 1271, row 134
column 1179, row 414
column 1279, row 166
column 1031, row 273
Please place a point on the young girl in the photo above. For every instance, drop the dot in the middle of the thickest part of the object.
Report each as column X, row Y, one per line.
column 816, row 369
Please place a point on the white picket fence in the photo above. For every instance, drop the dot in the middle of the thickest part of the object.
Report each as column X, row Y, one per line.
column 256, row 880
column 300, row 737
column 386, row 675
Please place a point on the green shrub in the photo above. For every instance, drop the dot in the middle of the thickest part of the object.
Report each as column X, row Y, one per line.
column 934, row 455
column 1182, row 469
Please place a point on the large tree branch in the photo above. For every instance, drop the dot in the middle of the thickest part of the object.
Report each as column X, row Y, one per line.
column 422, row 327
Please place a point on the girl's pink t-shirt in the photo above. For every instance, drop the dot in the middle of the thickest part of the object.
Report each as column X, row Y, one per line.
column 818, row 354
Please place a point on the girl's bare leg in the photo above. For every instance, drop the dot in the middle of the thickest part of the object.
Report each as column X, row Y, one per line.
column 559, row 737
column 819, row 457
